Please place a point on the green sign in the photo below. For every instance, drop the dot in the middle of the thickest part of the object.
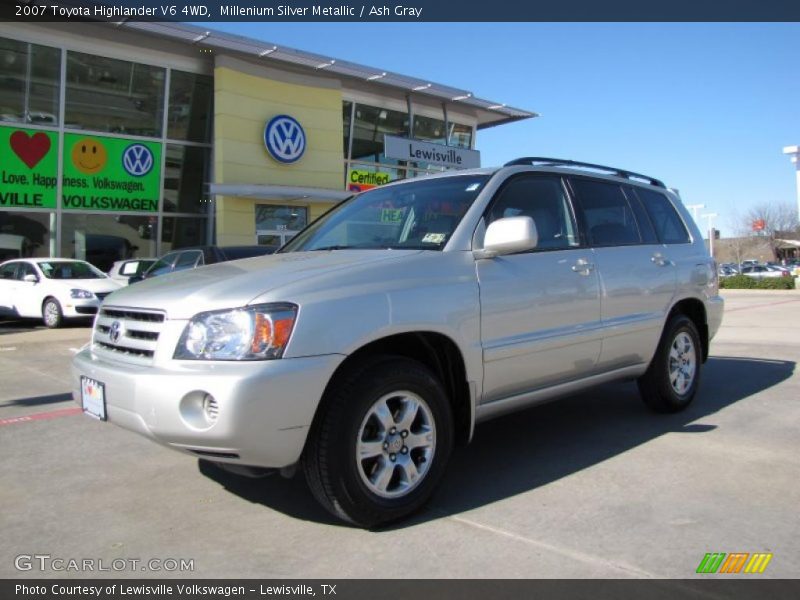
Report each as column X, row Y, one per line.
column 103, row 173
column 28, row 168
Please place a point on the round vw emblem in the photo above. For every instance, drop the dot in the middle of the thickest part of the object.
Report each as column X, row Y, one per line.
column 285, row 139
column 137, row 160
column 115, row 331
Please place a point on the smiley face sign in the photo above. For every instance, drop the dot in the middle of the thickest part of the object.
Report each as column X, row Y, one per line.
column 89, row 156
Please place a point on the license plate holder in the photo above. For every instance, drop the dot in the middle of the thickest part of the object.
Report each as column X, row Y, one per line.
column 93, row 398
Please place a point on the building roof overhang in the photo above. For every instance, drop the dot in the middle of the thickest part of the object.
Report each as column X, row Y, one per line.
column 488, row 113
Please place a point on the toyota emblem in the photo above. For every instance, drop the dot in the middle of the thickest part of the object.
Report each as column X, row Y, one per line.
column 115, row 331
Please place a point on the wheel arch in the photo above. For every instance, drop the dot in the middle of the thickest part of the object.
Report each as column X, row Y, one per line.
column 436, row 351
column 696, row 311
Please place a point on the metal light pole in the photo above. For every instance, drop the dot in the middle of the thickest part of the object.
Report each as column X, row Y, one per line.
column 694, row 208
column 710, row 217
column 794, row 153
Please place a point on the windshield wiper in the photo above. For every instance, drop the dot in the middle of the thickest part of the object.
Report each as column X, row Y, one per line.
column 331, row 248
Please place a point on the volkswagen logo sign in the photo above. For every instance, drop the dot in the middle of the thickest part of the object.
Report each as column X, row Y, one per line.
column 285, row 139
column 137, row 160
column 115, row 331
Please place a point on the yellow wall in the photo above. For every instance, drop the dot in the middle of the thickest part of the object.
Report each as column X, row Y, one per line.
column 243, row 103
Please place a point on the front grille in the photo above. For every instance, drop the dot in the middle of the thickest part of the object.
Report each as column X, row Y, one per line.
column 129, row 334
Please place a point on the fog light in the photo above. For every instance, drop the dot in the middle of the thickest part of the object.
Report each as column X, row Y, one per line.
column 210, row 408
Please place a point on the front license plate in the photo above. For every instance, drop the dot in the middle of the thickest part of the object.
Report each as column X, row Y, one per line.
column 93, row 398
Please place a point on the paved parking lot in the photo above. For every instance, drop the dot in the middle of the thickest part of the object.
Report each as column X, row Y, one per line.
column 592, row 486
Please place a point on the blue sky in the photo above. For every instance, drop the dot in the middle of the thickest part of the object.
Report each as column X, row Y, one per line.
column 705, row 107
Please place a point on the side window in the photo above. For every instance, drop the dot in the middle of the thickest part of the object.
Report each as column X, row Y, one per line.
column 25, row 269
column 665, row 218
column 164, row 265
column 544, row 200
column 7, row 271
column 188, row 260
column 607, row 214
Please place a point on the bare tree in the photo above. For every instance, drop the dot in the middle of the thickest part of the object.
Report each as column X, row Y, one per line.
column 774, row 218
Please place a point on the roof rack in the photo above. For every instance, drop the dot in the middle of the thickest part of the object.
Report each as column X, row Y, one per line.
column 560, row 162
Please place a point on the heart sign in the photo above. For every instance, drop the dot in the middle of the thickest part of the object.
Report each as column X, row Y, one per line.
column 30, row 148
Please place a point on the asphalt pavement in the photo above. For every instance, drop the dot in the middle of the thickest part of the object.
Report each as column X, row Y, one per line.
column 591, row 486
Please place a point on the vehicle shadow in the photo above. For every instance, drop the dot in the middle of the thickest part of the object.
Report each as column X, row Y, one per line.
column 535, row 447
column 37, row 400
column 25, row 325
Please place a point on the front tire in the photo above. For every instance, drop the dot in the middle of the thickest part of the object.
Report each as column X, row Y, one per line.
column 381, row 442
column 671, row 381
column 52, row 315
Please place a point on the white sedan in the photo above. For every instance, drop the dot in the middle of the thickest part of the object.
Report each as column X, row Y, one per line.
column 52, row 289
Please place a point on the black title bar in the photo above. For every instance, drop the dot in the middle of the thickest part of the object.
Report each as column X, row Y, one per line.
column 399, row 10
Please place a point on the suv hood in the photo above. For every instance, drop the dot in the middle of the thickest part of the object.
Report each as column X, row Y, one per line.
column 233, row 284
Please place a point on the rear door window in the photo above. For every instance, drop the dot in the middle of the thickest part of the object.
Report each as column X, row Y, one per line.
column 607, row 215
column 666, row 220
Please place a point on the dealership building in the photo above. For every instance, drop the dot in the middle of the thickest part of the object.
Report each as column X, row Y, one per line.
column 131, row 139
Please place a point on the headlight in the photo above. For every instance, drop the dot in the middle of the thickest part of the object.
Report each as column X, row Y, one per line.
column 248, row 333
column 78, row 293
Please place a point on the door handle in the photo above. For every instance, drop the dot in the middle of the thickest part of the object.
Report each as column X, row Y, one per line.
column 660, row 260
column 583, row 266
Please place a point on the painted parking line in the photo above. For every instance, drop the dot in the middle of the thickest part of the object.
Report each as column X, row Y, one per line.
column 53, row 414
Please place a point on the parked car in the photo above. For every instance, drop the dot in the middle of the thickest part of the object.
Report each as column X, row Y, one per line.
column 764, row 272
column 52, row 289
column 122, row 270
column 726, row 271
column 191, row 258
column 377, row 338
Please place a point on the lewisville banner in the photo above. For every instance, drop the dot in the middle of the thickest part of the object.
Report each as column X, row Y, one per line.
column 28, row 168
column 115, row 174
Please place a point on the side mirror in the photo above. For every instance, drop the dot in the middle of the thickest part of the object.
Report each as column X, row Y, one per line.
column 30, row 278
column 508, row 236
column 134, row 279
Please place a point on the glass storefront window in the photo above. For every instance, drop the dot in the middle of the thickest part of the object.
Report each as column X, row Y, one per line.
column 180, row 232
column 371, row 124
column 105, row 239
column 347, row 110
column 186, row 175
column 272, row 217
column 26, row 234
column 117, row 96
column 29, row 83
column 429, row 129
column 460, row 135
column 277, row 224
column 190, row 107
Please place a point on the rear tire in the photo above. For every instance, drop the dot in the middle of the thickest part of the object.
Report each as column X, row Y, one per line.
column 52, row 315
column 671, row 381
column 380, row 444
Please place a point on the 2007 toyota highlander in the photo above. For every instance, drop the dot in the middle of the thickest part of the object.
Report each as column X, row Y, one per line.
column 381, row 334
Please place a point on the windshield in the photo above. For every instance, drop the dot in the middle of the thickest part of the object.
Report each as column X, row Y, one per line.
column 70, row 270
column 419, row 215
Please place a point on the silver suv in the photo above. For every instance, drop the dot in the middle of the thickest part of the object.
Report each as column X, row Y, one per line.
column 375, row 340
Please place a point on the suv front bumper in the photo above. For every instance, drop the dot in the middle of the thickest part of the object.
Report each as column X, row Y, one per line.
column 265, row 408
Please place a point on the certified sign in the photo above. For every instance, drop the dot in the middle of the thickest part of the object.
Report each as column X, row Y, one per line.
column 285, row 139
